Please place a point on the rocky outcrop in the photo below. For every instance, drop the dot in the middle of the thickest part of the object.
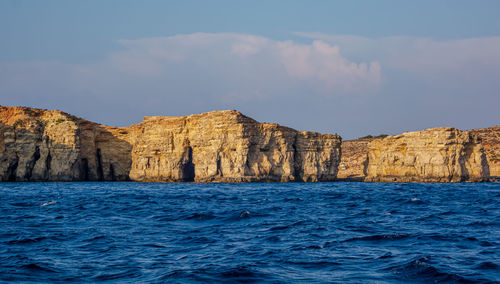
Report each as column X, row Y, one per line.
column 354, row 159
column 490, row 138
column 228, row 146
column 42, row 145
column 432, row 155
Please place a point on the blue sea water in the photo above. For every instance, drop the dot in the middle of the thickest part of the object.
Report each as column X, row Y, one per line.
column 271, row 232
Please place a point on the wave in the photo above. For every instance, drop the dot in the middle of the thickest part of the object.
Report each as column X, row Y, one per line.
column 125, row 275
column 487, row 265
column 313, row 264
column 183, row 233
column 384, row 237
column 201, row 217
column 217, row 274
column 95, row 238
column 421, row 270
column 34, row 267
column 483, row 224
column 415, row 201
column 198, row 240
column 22, row 204
column 25, row 241
column 48, row 203
column 153, row 246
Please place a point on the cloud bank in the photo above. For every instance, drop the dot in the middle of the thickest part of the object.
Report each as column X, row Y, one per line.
column 249, row 58
column 471, row 61
column 346, row 84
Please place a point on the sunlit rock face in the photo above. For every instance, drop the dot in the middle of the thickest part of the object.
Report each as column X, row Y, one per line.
column 229, row 147
column 226, row 146
column 43, row 145
column 354, row 159
column 490, row 138
column 432, row 155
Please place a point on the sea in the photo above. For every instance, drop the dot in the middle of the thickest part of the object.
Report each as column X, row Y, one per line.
column 339, row 232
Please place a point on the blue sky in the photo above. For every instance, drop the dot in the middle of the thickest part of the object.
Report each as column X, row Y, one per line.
column 348, row 67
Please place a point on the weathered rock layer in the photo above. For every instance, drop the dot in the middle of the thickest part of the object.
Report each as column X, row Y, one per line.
column 354, row 159
column 41, row 145
column 490, row 138
column 226, row 146
column 432, row 155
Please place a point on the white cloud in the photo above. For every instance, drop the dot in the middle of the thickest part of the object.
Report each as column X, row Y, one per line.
column 323, row 64
column 191, row 73
column 348, row 84
column 318, row 65
column 467, row 58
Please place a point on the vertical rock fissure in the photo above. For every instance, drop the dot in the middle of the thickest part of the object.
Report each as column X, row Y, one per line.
column 100, row 173
column 84, row 169
column 112, row 172
column 468, row 152
column 187, row 166
column 297, row 164
column 31, row 163
column 219, row 168
column 12, row 169
column 365, row 164
column 48, row 162
column 484, row 165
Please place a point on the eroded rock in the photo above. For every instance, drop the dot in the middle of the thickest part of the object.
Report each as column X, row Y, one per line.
column 230, row 147
column 354, row 159
column 43, row 145
column 39, row 145
column 432, row 155
column 490, row 138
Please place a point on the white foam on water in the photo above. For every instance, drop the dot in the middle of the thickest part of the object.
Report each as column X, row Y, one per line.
column 48, row 203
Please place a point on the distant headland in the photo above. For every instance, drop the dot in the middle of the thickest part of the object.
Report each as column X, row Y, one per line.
column 227, row 146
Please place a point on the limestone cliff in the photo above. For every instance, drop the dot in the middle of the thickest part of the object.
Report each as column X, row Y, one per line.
column 228, row 146
column 490, row 138
column 354, row 159
column 42, row 145
column 432, row 155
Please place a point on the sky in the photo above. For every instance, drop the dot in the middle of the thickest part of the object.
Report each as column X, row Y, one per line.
column 348, row 67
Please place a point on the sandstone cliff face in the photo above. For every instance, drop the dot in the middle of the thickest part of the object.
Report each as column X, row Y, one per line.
column 228, row 146
column 354, row 159
column 490, row 138
column 40, row 145
column 432, row 155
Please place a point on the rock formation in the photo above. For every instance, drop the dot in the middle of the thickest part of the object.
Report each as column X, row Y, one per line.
column 354, row 159
column 432, row 155
column 41, row 145
column 490, row 138
column 228, row 146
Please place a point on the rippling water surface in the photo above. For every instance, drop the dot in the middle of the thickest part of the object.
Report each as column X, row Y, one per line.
column 275, row 233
